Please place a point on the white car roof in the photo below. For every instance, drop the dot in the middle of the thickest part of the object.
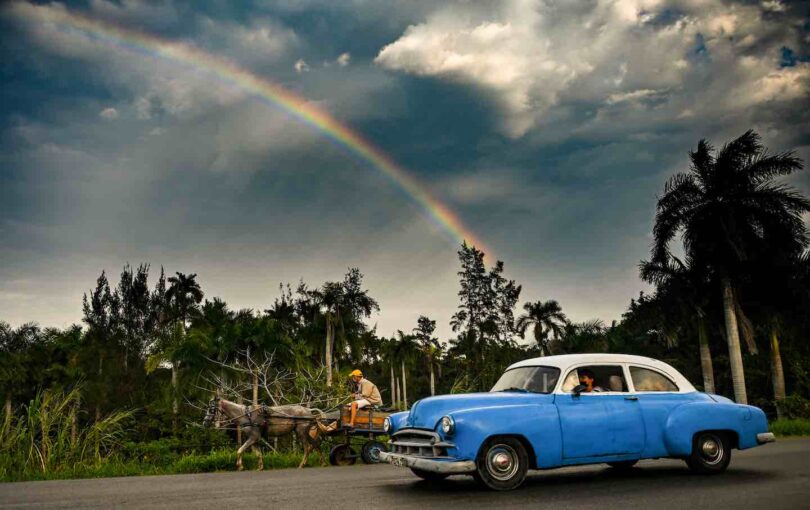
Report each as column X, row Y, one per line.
column 566, row 361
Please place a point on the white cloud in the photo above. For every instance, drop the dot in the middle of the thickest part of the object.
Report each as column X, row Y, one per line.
column 300, row 66
column 108, row 113
column 535, row 56
column 344, row 59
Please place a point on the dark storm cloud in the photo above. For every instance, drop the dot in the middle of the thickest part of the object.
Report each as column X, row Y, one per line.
column 551, row 146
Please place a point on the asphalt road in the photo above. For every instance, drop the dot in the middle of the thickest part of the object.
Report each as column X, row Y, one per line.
column 773, row 476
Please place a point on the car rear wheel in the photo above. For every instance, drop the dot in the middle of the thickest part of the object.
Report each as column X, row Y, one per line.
column 502, row 464
column 429, row 476
column 711, row 453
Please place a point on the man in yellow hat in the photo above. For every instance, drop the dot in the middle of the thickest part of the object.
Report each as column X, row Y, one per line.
column 366, row 394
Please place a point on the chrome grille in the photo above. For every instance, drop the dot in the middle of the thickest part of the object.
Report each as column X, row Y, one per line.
column 419, row 443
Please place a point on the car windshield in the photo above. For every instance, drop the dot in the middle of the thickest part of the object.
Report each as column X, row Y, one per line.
column 528, row 379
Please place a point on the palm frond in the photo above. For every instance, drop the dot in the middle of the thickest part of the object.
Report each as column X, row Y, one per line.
column 767, row 166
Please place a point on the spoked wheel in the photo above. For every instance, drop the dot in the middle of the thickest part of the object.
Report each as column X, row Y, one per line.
column 342, row 455
column 622, row 465
column 502, row 464
column 371, row 452
column 711, row 453
column 429, row 476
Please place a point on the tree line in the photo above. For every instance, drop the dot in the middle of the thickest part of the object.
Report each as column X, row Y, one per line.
column 728, row 264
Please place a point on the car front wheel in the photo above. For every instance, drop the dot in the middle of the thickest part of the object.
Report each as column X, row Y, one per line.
column 502, row 464
column 711, row 453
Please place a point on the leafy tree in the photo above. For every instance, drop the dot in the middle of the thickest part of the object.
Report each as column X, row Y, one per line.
column 133, row 314
column 100, row 315
column 485, row 317
column 727, row 207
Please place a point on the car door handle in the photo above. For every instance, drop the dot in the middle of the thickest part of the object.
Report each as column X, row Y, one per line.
column 631, row 397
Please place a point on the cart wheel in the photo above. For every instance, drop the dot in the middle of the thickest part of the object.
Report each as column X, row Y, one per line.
column 342, row 455
column 371, row 452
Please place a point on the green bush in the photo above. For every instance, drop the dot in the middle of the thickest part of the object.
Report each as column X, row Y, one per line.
column 784, row 427
column 794, row 407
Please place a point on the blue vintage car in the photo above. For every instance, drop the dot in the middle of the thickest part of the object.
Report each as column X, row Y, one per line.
column 573, row 409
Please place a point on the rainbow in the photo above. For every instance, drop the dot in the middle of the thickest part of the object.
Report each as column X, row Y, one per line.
column 263, row 89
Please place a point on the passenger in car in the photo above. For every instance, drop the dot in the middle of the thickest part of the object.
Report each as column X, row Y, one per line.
column 586, row 378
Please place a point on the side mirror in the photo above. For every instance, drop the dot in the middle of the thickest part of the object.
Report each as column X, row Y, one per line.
column 579, row 389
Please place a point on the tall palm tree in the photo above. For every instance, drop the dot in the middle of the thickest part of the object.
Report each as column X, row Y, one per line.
column 429, row 345
column 681, row 285
column 406, row 350
column 727, row 207
column 330, row 297
column 183, row 295
column 548, row 321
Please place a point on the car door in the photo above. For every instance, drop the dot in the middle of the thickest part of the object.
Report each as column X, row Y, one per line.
column 658, row 395
column 600, row 424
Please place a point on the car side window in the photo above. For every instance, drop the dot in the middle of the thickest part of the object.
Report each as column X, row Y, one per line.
column 605, row 378
column 649, row 380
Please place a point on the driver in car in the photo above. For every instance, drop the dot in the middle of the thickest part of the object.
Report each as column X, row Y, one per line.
column 586, row 378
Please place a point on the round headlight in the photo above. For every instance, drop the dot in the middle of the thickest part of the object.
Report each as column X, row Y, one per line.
column 448, row 425
column 387, row 424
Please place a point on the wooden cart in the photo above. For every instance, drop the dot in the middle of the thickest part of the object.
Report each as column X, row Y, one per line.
column 364, row 437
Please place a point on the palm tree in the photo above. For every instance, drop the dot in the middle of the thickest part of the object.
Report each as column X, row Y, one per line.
column 582, row 337
column 547, row 319
column 330, row 297
column 728, row 207
column 682, row 286
column 183, row 295
column 429, row 345
column 406, row 349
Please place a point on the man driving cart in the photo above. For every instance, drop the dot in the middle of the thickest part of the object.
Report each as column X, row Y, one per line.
column 365, row 393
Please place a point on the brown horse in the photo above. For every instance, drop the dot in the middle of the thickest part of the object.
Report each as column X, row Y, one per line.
column 275, row 421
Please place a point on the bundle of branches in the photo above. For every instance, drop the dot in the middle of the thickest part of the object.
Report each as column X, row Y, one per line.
column 260, row 379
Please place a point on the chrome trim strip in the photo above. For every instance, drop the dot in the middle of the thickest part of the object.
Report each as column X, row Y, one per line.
column 434, row 466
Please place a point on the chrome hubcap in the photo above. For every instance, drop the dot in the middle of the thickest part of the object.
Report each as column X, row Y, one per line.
column 711, row 449
column 502, row 462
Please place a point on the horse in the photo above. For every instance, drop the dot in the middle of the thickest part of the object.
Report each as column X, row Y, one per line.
column 274, row 420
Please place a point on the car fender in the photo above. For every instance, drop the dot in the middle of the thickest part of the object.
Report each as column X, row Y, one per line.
column 537, row 424
column 688, row 419
column 397, row 420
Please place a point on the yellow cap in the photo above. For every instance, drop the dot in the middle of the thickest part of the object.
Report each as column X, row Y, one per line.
column 356, row 372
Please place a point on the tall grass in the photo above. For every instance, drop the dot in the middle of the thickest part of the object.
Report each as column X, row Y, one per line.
column 42, row 439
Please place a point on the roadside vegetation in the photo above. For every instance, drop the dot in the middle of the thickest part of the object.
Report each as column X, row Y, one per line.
column 119, row 394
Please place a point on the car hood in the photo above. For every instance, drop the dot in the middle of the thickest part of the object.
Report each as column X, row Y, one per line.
column 427, row 412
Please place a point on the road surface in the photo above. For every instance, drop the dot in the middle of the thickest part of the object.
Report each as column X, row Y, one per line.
column 773, row 476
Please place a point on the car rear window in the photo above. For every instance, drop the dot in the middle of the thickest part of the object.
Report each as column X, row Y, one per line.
column 650, row 380
column 528, row 379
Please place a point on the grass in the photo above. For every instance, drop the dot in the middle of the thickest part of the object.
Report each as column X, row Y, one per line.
column 219, row 460
column 795, row 427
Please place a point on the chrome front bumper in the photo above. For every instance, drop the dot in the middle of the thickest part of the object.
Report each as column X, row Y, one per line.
column 765, row 437
column 447, row 467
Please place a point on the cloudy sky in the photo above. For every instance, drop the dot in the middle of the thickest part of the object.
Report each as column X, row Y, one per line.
column 548, row 127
